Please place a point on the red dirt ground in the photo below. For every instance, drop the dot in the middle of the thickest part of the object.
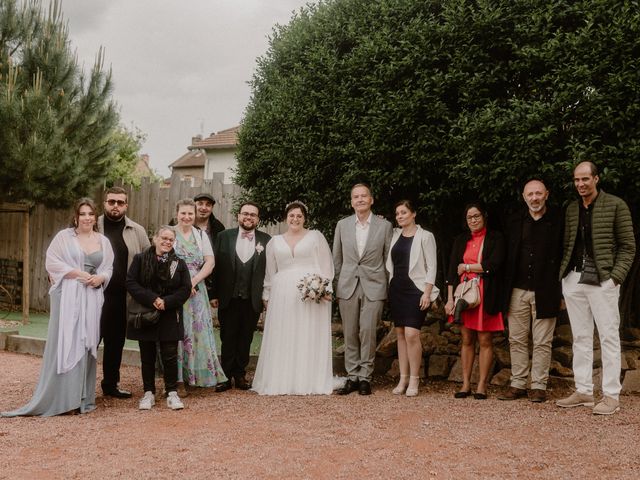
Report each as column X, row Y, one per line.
column 238, row 435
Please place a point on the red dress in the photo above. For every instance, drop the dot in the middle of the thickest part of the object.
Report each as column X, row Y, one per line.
column 476, row 318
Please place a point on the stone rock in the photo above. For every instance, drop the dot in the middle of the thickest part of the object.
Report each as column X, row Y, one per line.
column 456, row 372
column 556, row 368
column 563, row 336
column 502, row 378
column 564, row 355
column 388, row 346
column 451, row 337
column 631, row 358
column 394, row 371
column 431, row 342
column 434, row 328
column 440, row 365
column 503, row 356
column 631, row 382
column 633, row 332
column 563, row 382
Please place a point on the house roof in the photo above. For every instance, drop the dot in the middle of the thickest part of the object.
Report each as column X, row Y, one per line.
column 194, row 158
column 223, row 139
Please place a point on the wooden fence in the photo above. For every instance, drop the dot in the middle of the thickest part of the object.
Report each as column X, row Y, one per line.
column 151, row 205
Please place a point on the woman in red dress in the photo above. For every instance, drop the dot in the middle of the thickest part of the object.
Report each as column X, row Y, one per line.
column 477, row 253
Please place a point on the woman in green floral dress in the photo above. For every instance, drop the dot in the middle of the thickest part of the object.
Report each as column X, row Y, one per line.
column 198, row 363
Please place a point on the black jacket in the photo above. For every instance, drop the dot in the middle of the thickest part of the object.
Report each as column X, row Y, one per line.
column 224, row 250
column 170, row 326
column 493, row 256
column 547, row 287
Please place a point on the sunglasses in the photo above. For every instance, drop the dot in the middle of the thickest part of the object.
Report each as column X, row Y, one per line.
column 111, row 202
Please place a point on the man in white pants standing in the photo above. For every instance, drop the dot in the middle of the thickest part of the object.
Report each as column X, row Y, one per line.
column 599, row 247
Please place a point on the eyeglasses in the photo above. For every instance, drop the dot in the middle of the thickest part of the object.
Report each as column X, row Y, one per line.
column 477, row 216
column 166, row 239
column 111, row 202
column 247, row 214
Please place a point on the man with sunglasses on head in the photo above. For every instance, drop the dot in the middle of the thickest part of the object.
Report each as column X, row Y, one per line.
column 127, row 239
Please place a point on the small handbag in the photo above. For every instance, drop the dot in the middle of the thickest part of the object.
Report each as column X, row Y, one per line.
column 589, row 274
column 140, row 317
column 469, row 291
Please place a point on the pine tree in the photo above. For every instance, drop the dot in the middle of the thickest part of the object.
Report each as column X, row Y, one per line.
column 55, row 120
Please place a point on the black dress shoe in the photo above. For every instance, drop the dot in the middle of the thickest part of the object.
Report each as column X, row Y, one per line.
column 462, row 394
column 116, row 392
column 242, row 384
column 364, row 388
column 224, row 386
column 480, row 396
column 350, row 386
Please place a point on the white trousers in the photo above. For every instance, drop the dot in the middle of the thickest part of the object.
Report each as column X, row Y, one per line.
column 586, row 304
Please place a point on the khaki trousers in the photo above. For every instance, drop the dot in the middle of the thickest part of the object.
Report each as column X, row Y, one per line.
column 360, row 318
column 522, row 321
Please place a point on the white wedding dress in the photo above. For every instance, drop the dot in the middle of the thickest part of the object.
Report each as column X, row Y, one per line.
column 296, row 354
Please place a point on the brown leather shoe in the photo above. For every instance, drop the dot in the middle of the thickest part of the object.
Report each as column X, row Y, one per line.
column 513, row 394
column 537, row 395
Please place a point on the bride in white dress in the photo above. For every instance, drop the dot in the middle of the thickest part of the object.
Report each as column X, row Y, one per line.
column 295, row 356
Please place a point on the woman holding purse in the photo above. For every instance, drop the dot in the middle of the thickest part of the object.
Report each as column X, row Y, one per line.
column 478, row 253
column 158, row 279
column 412, row 265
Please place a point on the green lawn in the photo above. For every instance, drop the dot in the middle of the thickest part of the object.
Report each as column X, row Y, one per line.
column 38, row 323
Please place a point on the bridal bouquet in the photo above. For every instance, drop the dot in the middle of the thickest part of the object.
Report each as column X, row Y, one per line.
column 313, row 287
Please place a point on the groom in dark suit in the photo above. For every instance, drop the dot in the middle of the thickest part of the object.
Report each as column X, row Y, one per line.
column 237, row 291
column 360, row 247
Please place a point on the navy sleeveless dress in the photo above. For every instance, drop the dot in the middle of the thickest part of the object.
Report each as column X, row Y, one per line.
column 404, row 296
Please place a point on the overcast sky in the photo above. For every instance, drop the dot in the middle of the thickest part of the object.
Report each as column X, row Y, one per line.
column 180, row 67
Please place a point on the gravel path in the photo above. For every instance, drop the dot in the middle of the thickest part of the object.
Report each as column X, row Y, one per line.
column 238, row 435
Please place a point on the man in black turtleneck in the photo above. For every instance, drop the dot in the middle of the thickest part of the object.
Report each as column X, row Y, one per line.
column 127, row 239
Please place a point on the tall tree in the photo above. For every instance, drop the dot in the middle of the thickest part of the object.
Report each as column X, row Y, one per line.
column 126, row 143
column 55, row 120
column 443, row 102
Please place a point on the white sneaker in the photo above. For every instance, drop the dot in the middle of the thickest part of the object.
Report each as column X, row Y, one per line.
column 148, row 401
column 174, row 402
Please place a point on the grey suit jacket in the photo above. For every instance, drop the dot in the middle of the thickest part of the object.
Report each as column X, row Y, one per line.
column 370, row 268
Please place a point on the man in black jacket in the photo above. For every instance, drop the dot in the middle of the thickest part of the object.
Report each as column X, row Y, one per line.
column 207, row 222
column 534, row 252
column 237, row 291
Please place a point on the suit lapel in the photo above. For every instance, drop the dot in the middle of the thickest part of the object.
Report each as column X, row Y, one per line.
column 232, row 249
column 373, row 228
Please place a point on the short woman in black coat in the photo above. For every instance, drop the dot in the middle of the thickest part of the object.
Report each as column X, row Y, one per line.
column 479, row 323
column 159, row 279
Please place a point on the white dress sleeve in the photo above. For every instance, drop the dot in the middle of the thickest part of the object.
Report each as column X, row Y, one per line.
column 325, row 259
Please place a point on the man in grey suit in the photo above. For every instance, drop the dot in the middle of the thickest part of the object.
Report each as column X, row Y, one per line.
column 360, row 247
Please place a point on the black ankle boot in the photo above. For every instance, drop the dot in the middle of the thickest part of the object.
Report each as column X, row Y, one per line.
column 460, row 306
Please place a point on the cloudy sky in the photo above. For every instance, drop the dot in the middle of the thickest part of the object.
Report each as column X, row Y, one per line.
column 180, row 67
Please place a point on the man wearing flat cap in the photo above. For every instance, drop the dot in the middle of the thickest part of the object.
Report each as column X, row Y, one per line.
column 207, row 222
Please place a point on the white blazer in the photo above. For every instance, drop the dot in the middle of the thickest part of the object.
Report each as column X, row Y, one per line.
column 423, row 260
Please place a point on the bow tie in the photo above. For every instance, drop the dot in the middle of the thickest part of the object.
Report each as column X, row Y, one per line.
column 248, row 235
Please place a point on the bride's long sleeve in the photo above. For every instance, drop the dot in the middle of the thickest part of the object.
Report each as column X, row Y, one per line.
column 325, row 259
column 271, row 269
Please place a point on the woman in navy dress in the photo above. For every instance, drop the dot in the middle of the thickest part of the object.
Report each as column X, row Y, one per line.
column 412, row 273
